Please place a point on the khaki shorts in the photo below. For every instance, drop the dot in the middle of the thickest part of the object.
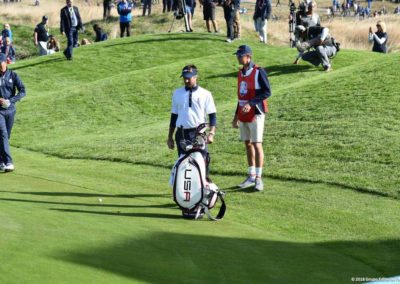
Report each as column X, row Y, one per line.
column 252, row 131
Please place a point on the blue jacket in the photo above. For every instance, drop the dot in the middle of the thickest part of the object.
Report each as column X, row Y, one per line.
column 9, row 84
column 125, row 12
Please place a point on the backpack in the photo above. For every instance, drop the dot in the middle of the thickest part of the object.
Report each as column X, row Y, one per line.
column 193, row 193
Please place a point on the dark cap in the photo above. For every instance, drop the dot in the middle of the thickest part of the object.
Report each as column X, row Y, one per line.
column 243, row 50
column 3, row 57
column 189, row 71
column 45, row 18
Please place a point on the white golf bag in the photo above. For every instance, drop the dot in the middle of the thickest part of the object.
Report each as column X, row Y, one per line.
column 192, row 192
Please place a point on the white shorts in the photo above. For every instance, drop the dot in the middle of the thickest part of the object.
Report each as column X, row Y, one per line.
column 252, row 131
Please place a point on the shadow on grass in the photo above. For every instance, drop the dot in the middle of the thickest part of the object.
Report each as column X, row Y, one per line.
column 52, row 60
column 84, row 194
column 118, row 213
column 192, row 258
column 284, row 69
column 168, row 39
column 95, row 203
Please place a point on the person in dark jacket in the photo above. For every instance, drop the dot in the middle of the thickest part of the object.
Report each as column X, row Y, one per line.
column 70, row 23
column 379, row 38
column 262, row 14
column 10, row 83
column 229, row 15
column 100, row 35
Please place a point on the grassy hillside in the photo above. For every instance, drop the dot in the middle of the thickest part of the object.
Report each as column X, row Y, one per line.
column 96, row 127
column 113, row 103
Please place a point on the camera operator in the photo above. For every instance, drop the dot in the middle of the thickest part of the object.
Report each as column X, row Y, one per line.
column 318, row 39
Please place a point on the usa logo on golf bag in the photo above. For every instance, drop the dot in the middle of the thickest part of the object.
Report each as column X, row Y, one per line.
column 192, row 192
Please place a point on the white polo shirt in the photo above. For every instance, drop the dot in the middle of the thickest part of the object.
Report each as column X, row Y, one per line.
column 202, row 105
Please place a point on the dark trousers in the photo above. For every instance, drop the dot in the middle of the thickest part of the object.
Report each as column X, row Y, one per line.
column 229, row 15
column 106, row 10
column 125, row 27
column 146, row 5
column 6, row 124
column 167, row 5
column 72, row 41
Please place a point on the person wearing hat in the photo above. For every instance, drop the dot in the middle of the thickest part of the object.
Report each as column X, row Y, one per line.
column 70, row 23
column 191, row 104
column 41, row 36
column 318, row 39
column 9, row 83
column 253, row 91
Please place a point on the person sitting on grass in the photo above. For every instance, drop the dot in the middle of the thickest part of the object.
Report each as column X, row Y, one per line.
column 100, row 35
column 53, row 45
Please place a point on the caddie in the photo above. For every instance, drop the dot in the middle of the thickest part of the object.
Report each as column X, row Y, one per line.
column 253, row 91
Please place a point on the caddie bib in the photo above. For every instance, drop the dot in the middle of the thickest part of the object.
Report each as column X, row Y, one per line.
column 246, row 92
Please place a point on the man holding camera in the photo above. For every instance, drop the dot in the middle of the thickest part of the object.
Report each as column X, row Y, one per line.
column 323, row 45
column 253, row 91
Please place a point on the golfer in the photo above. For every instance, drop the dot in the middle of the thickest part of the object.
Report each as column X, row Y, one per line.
column 191, row 105
column 9, row 83
column 253, row 90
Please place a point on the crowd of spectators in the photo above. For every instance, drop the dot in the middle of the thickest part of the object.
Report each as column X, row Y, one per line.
column 48, row 44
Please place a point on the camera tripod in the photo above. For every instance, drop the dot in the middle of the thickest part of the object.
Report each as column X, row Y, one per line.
column 179, row 14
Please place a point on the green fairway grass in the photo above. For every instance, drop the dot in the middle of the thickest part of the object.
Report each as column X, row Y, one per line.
column 96, row 128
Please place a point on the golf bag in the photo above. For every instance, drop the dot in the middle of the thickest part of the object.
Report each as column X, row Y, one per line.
column 193, row 193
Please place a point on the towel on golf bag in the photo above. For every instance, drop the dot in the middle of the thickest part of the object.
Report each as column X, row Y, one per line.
column 192, row 192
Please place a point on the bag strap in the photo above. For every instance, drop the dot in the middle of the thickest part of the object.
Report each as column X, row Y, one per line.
column 221, row 212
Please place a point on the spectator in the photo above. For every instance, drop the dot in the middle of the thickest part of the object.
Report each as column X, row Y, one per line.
column 262, row 13
column 209, row 14
column 229, row 14
column 8, row 49
column 8, row 98
column 253, row 91
column 146, row 6
column 107, row 4
column 167, row 5
column 100, row 35
column 124, row 9
column 6, row 33
column 53, row 45
column 379, row 38
column 41, row 36
column 70, row 23
column 189, row 13
column 236, row 19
